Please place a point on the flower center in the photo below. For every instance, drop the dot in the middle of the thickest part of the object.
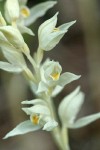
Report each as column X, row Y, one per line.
column 55, row 76
column 25, row 12
column 35, row 119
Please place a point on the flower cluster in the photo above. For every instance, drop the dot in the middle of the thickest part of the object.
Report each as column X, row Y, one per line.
column 46, row 79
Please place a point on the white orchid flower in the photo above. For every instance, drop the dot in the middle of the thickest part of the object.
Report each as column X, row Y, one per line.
column 16, row 61
column 70, row 107
column 40, row 117
column 51, row 78
column 49, row 35
column 17, row 10
column 13, row 36
column 30, row 15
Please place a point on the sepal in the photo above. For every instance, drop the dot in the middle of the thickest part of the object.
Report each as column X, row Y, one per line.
column 22, row 128
column 11, row 10
column 50, row 125
column 38, row 11
column 66, row 78
column 10, row 67
column 84, row 121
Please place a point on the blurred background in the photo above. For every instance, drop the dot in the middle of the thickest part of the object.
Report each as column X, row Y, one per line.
column 79, row 53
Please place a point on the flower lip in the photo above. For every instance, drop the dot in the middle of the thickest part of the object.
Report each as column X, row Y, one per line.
column 25, row 12
column 35, row 119
column 55, row 76
column 52, row 70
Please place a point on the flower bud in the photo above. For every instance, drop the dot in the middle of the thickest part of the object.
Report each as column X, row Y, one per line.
column 11, row 10
column 13, row 36
column 49, row 36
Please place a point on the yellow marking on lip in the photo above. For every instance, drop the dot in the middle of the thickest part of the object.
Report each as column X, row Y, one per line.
column 55, row 76
column 25, row 12
column 35, row 119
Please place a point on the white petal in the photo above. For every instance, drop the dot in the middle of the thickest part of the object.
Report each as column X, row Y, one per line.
column 22, row 2
column 70, row 106
column 57, row 90
column 11, row 10
column 38, row 11
column 67, row 77
column 66, row 26
column 37, row 109
column 34, row 102
column 2, row 20
column 24, row 29
column 13, row 36
column 51, row 39
column 10, row 67
column 47, row 27
column 85, row 121
column 3, row 40
column 14, row 57
column 50, row 125
column 22, row 128
column 33, row 87
column 42, row 87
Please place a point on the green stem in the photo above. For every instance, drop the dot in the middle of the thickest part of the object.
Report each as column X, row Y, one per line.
column 39, row 56
column 60, row 135
column 56, row 131
column 64, row 134
column 31, row 61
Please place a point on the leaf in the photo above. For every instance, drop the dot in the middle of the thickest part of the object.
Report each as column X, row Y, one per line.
column 38, row 11
column 10, row 67
column 84, row 121
column 22, row 128
column 66, row 78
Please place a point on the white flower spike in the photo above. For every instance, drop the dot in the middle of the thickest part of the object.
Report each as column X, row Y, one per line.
column 46, row 79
